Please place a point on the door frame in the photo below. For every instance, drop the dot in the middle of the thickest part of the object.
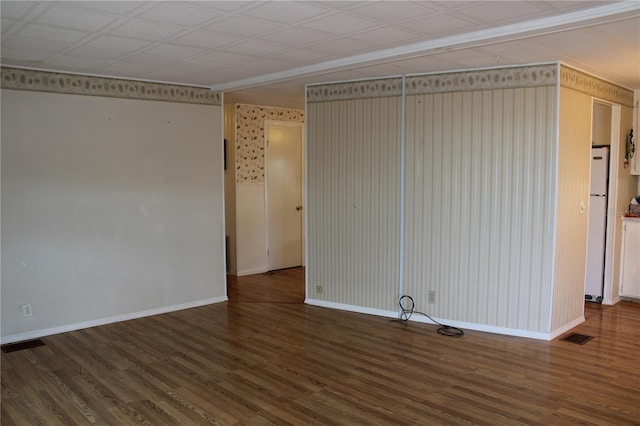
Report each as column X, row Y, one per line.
column 267, row 124
column 612, row 198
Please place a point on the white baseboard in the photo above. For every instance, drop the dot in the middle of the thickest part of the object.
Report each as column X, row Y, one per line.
column 566, row 328
column 110, row 320
column 419, row 318
column 252, row 272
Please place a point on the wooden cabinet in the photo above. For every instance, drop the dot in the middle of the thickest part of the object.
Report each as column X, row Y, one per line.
column 630, row 260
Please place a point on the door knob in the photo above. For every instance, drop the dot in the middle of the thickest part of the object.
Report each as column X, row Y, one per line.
column 298, row 208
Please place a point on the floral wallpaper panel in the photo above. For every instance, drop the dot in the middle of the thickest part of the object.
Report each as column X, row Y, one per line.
column 249, row 142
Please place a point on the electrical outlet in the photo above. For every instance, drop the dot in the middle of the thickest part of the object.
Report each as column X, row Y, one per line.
column 432, row 296
column 26, row 310
column 319, row 289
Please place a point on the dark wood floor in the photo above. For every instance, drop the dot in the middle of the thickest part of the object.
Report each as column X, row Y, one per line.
column 246, row 363
column 281, row 286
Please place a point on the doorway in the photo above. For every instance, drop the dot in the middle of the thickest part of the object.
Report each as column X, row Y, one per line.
column 605, row 131
column 284, row 194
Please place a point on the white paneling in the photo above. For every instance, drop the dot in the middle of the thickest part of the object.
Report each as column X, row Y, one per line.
column 480, row 195
column 574, row 162
column 353, row 201
column 110, row 207
column 251, row 230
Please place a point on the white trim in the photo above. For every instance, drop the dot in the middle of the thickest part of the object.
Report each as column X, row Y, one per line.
column 554, row 213
column 305, row 177
column 566, row 327
column 253, row 271
column 110, row 320
column 403, row 113
column 459, row 324
column 611, row 248
column 266, row 124
column 597, row 15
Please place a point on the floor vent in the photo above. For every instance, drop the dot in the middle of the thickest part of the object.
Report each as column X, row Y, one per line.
column 577, row 338
column 19, row 346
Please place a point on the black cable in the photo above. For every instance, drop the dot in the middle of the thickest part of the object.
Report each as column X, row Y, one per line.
column 407, row 311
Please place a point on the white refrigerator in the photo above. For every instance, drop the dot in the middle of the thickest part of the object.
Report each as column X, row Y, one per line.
column 596, row 240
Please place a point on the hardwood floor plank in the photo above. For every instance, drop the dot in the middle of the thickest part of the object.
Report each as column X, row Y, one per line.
column 245, row 363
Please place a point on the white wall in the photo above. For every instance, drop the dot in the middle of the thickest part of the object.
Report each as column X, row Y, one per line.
column 111, row 209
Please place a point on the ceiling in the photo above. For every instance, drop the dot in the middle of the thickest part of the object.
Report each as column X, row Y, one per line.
column 264, row 52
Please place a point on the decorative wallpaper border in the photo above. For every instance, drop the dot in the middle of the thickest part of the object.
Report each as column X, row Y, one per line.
column 355, row 90
column 593, row 86
column 45, row 81
column 497, row 78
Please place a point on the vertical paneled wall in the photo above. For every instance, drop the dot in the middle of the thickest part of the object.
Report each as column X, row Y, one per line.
column 492, row 197
column 353, row 159
column 479, row 205
column 574, row 162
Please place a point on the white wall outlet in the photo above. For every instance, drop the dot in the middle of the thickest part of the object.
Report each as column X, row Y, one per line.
column 26, row 310
column 432, row 296
column 319, row 289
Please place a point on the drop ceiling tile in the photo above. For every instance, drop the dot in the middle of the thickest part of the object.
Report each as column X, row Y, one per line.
column 19, row 57
column 145, row 30
column 286, row 12
column 258, row 47
column 391, row 11
column 127, row 70
column 96, row 53
column 296, row 36
column 34, row 45
column 150, row 60
column 569, row 6
column 339, row 24
column 342, row 47
column 222, row 58
column 242, row 26
column 75, row 62
column 577, row 42
column 174, row 51
column 303, row 56
column 124, row 44
column 207, row 40
column 630, row 28
column 502, row 12
column 45, row 32
column 440, row 25
column 15, row 9
column 226, row 6
column 76, row 19
column 118, row 8
column 387, row 37
column 179, row 13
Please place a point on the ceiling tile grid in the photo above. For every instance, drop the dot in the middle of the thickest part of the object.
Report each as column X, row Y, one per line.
column 242, row 43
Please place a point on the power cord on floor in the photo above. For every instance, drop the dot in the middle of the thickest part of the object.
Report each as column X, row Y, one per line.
column 407, row 310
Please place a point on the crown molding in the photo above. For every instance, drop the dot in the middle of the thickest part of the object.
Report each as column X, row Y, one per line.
column 598, row 15
column 78, row 84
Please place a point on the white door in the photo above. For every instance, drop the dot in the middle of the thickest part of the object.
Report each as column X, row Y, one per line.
column 284, row 195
